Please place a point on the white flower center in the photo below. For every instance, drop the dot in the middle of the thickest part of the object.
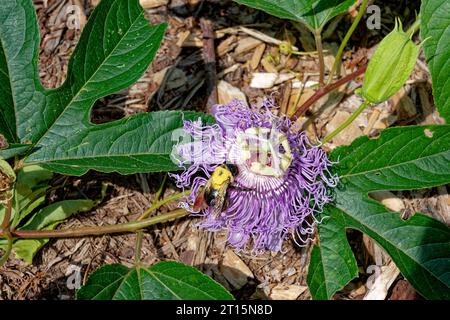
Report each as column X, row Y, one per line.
column 264, row 151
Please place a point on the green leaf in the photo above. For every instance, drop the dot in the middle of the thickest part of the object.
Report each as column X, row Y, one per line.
column 166, row 280
column 332, row 263
column 48, row 218
column 435, row 28
column 19, row 45
column 33, row 176
column 30, row 194
column 57, row 212
column 115, row 48
column 313, row 13
column 31, row 186
column 420, row 247
column 400, row 158
column 14, row 149
column 142, row 143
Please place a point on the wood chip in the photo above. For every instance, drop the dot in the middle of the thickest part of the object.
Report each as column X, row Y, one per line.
column 227, row 92
column 187, row 257
column 182, row 37
column 263, row 37
column 405, row 107
column 385, row 119
column 156, row 80
column 149, row 4
column 235, row 270
column 193, row 41
column 263, row 80
column 257, row 55
column 233, row 68
column 372, row 120
column 443, row 203
column 290, row 292
column 348, row 134
column 57, row 21
column 403, row 290
column 266, row 80
column 358, row 292
column 427, row 108
column 227, row 45
column 285, row 97
column 193, row 3
column 381, row 282
column 389, row 200
column 297, row 84
column 268, row 66
column 246, row 44
column 283, row 77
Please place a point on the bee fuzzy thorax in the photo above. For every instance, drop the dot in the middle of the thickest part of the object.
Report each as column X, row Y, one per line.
column 220, row 176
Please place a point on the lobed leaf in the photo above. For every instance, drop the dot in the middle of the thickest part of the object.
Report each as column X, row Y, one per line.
column 166, row 280
column 13, row 150
column 435, row 30
column 400, row 158
column 313, row 13
column 420, row 247
column 332, row 264
column 142, row 143
column 115, row 48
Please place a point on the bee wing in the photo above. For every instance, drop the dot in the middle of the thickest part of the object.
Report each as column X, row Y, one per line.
column 200, row 201
column 220, row 199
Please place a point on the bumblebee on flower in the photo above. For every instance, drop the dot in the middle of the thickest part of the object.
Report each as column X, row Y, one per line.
column 264, row 179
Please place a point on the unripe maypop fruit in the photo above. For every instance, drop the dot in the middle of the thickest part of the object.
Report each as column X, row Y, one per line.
column 390, row 65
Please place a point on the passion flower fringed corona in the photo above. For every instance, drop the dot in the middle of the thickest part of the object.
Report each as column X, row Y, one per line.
column 281, row 181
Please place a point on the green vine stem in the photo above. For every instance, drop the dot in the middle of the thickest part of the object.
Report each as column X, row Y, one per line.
column 7, row 216
column 350, row 119
column 319, row 48
column 158, row 204
column 8, row 249
column 98, row 230
column 414, row 27
column 349, row 33
column 138, row 247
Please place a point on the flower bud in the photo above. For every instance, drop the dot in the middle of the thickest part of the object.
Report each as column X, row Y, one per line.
column 390, row 66
column 285, row 48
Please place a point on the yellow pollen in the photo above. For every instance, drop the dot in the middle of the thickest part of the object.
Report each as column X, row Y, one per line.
column 220, row 176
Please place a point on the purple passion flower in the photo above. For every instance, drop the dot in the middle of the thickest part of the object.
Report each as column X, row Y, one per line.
column 281, row 182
